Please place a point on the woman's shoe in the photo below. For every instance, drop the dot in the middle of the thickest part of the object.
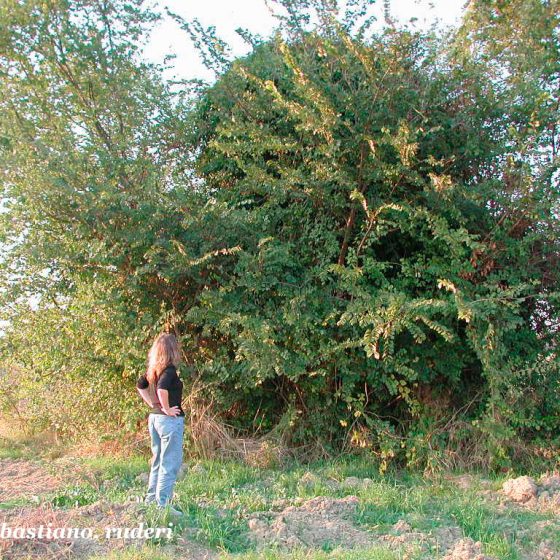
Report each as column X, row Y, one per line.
column 172, row 511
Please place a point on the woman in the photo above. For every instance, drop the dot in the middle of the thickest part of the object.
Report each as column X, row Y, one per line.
column 161, row 389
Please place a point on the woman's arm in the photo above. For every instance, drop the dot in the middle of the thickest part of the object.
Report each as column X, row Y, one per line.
column 145, row 394
column 163, row 395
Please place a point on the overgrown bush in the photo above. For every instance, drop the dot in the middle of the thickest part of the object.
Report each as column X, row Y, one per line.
column 355, row 233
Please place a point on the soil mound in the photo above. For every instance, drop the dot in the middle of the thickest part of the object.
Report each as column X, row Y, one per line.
column 466, row 549
column 541, row 495
column 316, row 523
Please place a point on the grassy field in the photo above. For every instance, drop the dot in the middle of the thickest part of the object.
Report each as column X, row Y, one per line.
column 341, row 509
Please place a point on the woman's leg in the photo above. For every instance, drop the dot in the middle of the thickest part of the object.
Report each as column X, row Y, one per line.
column 171, row 434
column 156, row 460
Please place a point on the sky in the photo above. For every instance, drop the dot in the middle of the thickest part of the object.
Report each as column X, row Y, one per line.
column 228, row 15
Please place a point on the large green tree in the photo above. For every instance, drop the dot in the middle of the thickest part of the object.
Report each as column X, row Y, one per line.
column 354, row 232
column 98, row 203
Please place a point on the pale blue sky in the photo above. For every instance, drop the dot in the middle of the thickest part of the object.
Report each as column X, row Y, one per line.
column 228, row 15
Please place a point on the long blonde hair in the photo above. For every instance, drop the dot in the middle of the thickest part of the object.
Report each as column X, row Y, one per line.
column 164, row 351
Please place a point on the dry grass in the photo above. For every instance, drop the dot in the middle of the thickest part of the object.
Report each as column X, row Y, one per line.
column 210, row 437
column 213, row 438
column 14, row 431
column 132, row 446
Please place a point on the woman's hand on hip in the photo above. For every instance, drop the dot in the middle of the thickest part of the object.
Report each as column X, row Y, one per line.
column 173, row 411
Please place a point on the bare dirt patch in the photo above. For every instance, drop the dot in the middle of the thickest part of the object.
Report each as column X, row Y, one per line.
column 78, row 532
column 402, row 535
column 324, row 521
column 82, row 532
column 539, row 495
column 466, row 549
column 317, row 522
column 544, row 551
column 20, row 478
column 65, row 532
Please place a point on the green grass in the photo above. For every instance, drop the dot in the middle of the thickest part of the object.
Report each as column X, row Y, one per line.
column 145, row 553
column 372, row 553
column 74, row 496
column 98, row 478
column 218, row 497
column 425, row 504
column 16, row 503
column 115, row 477
column 22, row 447
column 218, row 528
column 106, row 468
column 11, row 450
